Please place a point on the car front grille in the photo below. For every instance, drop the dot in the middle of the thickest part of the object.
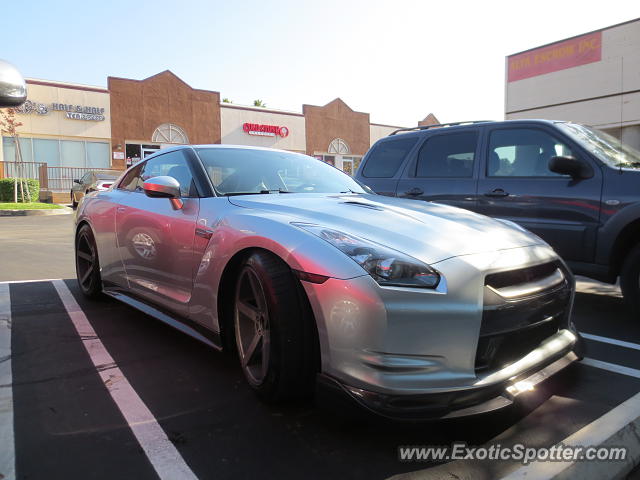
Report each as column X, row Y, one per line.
column 522, row 308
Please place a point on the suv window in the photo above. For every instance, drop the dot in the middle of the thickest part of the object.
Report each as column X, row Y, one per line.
column 523, row 152
column 387, row 156
column 450, row 155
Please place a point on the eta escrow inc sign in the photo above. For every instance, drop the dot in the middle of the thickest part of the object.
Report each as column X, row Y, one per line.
column 265, row 130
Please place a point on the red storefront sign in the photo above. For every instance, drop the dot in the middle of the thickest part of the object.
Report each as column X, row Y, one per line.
column 558, row 56
column 265, row 130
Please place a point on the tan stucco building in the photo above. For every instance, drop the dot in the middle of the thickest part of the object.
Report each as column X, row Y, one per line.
column 592, row 78
column 63, row 125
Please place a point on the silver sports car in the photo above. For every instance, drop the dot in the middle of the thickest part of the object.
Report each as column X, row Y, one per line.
column 410, row 309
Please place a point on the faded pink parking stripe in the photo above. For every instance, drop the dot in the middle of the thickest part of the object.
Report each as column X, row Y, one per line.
column 162, row 454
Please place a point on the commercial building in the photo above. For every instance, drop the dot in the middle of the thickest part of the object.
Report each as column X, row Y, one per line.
column 592, row 78
column 68, row 125
column 63, row 125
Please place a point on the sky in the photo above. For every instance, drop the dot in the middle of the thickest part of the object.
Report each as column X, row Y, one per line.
column 398, row 60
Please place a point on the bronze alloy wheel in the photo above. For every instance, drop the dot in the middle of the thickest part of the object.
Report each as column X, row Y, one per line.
column 252, row 326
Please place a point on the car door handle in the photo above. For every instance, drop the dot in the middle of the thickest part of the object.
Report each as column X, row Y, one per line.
column 414, row 192
column 122, row 209
column 496, row 192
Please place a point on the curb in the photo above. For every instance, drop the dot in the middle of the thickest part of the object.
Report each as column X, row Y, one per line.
column 42, row 212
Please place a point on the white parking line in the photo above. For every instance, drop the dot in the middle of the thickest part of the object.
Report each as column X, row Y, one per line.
column 7, row 453
column 612, row 367
column 612, row 341
column 7, row 282
column 162, row 454
column 609, row 427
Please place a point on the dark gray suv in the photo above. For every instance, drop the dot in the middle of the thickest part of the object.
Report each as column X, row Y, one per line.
column 576, row 187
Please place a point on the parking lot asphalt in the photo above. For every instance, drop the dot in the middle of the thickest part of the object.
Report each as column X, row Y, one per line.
column 66, row 423
column 36, row 247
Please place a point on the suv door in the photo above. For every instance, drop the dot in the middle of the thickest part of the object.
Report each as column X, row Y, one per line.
column 444, row 170
column 156, row 241
column 381, row 166
column 517, row 185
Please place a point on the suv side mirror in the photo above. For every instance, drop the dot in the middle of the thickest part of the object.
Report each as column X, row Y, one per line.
column 572, row 166
column 75, row 180
column 164, row 187
column 13, row 89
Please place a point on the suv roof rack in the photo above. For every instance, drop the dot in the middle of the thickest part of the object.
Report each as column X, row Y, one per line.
column 438, row 125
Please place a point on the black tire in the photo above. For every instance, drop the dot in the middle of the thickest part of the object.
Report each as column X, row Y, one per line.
column 630, row 280
column 283, row 362
column 87, row 263
column 74, row 204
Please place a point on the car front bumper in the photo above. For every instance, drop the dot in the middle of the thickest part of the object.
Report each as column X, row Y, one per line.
column 434, row 352
column 479, row 399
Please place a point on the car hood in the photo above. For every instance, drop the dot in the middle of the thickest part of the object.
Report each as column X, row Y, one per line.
column 428, row 231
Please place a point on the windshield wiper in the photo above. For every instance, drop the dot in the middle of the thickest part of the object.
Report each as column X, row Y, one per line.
column 275, row 190
column 261, row 192
column 350, row 191
column 231, row 194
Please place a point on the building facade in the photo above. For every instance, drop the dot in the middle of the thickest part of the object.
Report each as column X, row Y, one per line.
column 131, row 119
column 592, row 78
column 63, row 125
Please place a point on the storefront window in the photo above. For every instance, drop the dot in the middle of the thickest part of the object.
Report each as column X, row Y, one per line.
column 58, row 153
column 9, row 149
column 72, row 154
column 47, row 151
column 97, row 155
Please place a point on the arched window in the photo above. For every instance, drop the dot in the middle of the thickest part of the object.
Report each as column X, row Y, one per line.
column 339, row 147
column 169, row 133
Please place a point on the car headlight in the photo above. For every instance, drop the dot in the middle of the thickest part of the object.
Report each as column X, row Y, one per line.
column 388, row 267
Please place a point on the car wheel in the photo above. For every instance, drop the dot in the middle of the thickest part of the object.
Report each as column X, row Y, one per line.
column 630, row 280
column 274, row 330
column 74, row 204
column 87, row 264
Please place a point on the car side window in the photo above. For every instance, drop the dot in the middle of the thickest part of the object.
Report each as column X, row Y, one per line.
column 523, row 152
column 172, row 164
column 386, row 157
column 132, row 179
column 450, row 155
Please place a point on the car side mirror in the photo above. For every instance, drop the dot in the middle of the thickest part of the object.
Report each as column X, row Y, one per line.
column 565, row 165
column 164, row 187
column 13, row 89
column 75, row 180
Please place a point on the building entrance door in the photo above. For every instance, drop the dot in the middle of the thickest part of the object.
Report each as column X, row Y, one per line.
column 347, row 165
column 149, row 150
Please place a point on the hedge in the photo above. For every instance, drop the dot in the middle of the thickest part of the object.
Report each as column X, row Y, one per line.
column 6, row 189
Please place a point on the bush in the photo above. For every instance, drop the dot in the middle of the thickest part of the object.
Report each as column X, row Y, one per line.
column 6, row 189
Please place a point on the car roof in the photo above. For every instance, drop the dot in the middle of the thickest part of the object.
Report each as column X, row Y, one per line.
column 440, row 128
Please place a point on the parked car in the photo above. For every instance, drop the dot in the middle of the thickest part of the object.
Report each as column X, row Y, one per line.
column 94, row 180
column 574, row 186
column 409, row 309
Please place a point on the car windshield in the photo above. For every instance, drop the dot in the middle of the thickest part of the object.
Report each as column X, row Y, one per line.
column 604, row 146
column 238, row 171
